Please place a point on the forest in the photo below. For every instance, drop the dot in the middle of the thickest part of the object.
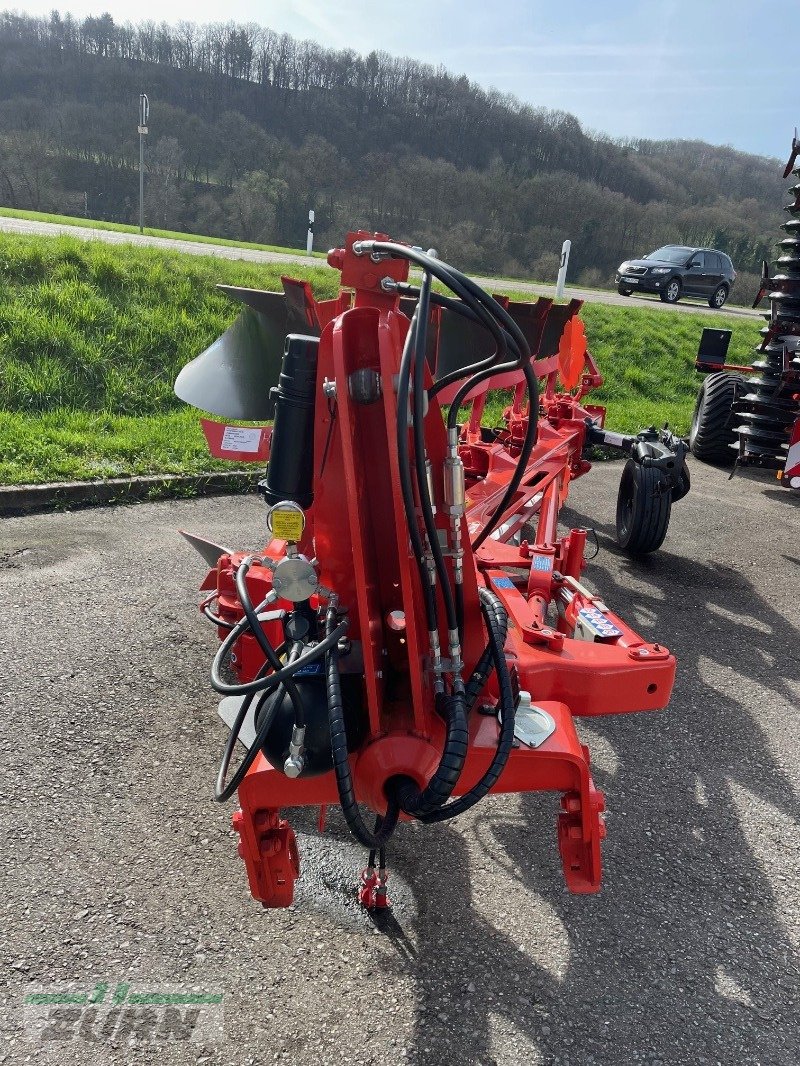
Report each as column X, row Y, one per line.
column 249, row 129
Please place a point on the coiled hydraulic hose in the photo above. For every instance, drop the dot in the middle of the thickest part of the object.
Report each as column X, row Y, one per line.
column 407, row 793
column 493, row 612
column 260, row 684
column 268, row 685
column 480, row 674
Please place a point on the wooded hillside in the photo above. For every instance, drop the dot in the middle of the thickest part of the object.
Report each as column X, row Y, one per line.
column 249, row 129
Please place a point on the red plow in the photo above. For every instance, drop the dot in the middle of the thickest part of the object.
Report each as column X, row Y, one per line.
column 415, row 633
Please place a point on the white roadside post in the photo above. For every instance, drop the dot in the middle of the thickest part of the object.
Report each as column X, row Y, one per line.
column 310, row 234
column 562, row 270
column 144, row 115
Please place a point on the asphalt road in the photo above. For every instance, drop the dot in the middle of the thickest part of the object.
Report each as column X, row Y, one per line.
column 253, row 255
column 119, row 867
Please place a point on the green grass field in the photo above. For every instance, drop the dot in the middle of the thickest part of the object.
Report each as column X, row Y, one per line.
column 121, row 227
column 92, row 337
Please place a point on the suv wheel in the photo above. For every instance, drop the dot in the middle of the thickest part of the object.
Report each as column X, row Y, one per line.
column 671, row 292
column 719, row 296
column 623, row 290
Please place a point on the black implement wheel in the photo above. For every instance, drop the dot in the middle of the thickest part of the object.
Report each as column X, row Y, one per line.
column 685, row 484
column 644, row 504
column 671, row 292
column 713, row 421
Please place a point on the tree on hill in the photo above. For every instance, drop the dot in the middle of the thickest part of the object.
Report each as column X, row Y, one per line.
column 250, row 129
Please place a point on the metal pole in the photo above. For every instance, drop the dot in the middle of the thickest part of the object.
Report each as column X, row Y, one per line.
column 144, row 115
column 562, row 270
column 141, row 182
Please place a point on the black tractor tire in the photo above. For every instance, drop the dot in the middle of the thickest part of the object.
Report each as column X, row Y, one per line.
column 718, row 297
column 671, row 292
column 644, row 505
column 713, row 421
column 623, row 290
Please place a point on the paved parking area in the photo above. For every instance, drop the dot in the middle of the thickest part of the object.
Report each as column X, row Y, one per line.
column 120, row 868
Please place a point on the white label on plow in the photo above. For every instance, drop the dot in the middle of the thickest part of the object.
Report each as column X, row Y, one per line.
column 241, row 439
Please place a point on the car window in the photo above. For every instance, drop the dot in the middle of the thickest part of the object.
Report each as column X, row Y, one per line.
column 717, row 262
column 698, row 261
column 671, row 253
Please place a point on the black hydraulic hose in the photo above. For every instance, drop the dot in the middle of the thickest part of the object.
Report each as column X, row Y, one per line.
column 377, row 851
column 263, row 639
column 273, row 680
column 497, row 310
column 454, row 281
column 404, row 464
column 426, row 504
column 483, row 669
column 216, row 619
column 455, row 277
column 525, row 453
column 222, row 790
column 492, row 608
column 341, row 762
column 469, row 385
column 407, row 793
column 465, row 310
column 533, row 403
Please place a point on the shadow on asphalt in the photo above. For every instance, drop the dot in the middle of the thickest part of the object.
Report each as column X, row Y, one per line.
column 682, row 958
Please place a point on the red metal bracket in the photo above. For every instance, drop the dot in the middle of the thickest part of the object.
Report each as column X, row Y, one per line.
column 269, row 848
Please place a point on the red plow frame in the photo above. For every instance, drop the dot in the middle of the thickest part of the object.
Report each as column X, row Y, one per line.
column 567, row 653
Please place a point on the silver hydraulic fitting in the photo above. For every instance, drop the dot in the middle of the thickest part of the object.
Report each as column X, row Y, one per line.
column 295, row 762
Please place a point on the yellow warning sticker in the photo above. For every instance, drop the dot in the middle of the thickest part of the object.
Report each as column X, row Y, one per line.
column 287, row 525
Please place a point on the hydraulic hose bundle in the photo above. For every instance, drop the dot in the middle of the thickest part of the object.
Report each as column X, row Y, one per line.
column 511, row 353
column 453, row 700
column 273, row 679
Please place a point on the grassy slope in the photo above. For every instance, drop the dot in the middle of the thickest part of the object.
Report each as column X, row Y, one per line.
column 92, row 337
column 121, row 227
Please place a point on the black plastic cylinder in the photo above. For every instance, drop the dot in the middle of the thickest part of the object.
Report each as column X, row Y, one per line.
column 290, row 474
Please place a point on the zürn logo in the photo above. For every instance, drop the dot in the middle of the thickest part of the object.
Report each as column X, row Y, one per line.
column 123, row 1015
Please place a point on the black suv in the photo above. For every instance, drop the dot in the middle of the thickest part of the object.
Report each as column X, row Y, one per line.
column 674, row 271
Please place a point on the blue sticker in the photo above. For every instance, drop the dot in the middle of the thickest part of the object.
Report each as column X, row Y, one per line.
column 598, row 622
column 543, row 562
column 309, row 671
column 503, row 582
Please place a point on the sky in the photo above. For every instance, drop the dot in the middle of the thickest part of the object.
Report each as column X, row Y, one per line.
column 696, row 69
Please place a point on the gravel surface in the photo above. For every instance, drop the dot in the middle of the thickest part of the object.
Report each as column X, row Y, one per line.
column 253, row 255
column 121, row 868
